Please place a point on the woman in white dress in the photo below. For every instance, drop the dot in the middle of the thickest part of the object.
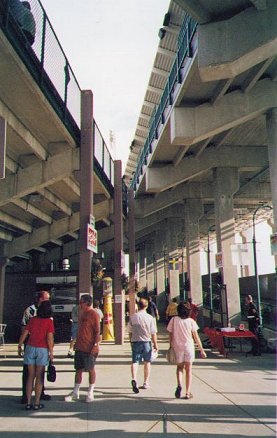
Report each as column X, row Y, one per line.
column 182, row 335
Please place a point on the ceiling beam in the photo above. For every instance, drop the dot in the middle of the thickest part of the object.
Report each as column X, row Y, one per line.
column 49, row 196
column 42, row 235
column 23, row 132
column 34, row 211
column 38, row 176
column 242, row 157
column 17, row 223
column 255, row 75
column 6, row 236
column 191, row 125
column 72, row 185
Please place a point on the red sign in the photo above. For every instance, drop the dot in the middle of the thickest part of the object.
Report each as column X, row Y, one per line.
column 91, row 238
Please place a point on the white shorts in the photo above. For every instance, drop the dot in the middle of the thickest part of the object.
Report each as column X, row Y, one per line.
column 187, row 355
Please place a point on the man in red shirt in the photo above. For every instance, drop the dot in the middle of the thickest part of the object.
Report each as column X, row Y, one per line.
column 86, row 348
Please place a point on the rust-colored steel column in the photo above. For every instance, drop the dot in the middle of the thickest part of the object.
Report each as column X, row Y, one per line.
column 132, row 251
column 86, row 189
column 3, row 264
column 119, row 298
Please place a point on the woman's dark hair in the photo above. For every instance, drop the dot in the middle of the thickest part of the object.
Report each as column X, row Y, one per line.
column 45, row 310
column 183, row 311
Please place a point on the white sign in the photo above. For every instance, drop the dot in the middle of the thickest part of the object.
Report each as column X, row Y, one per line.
column 92, row 220
column 118, row 299
column 91, row 238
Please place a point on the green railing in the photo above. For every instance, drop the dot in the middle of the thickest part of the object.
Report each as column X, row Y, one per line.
column 159, row 116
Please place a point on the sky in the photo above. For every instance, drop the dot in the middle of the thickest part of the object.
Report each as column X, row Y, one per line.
column 111, row 47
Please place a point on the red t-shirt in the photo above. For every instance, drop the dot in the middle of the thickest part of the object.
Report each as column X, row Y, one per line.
column 38, row 329
column 88, row 331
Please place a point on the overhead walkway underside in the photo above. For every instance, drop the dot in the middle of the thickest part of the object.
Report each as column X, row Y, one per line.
column 215, row 115
column 40, row 189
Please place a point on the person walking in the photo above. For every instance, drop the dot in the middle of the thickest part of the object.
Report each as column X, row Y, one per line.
column 86, row 348
column 171, row 309
column 152, row 310
column 29, row 313
column 193, row 309
column 142, row 333
column 182, row 335
column 253, row 325
column 38, row 351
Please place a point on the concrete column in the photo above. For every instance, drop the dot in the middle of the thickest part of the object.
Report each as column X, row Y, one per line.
column 119, row 303
column 244, row 268
column 86, row 190
column 142, row 268
column 161, row 256
column 271, row 125
column 3, row 263
column 193, row 213
column 174, row 227
column 226, row 183
column 132, row 251
column 150, row 265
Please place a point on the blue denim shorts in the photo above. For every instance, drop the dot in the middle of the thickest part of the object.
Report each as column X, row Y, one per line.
column 36, row 356
column 74, row 330
column 141, row 350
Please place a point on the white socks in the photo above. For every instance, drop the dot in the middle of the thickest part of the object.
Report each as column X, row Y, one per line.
column 76, row 389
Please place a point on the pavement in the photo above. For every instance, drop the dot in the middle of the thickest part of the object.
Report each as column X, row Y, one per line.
column 233, row 397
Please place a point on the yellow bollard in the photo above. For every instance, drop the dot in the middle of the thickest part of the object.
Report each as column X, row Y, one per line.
column 108, row 328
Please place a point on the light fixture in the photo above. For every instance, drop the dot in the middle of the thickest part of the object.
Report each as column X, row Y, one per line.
column 162, row 33
column 65, row 264
column 166, row 19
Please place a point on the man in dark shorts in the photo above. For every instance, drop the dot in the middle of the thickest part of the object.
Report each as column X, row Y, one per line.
column 86, row 348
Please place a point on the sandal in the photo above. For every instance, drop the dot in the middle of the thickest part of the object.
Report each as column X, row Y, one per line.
column 188, row 395
column 28, row 407
column 178, row 391
column 134, row 387
column 38, row 407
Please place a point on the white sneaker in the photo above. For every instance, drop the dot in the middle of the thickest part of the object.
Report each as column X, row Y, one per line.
column 145, row 385
column 71, row 397
column 89, row 397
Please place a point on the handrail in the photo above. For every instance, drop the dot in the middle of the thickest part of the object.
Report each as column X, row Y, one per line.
column 185, row 37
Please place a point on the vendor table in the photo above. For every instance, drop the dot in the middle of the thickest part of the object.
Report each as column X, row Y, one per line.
column 216, row 338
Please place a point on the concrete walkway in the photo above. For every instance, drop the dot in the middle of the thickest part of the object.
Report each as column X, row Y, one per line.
column 233, row 397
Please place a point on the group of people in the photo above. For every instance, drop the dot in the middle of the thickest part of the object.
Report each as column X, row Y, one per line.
column 182, row 335
column 171, row 309
column 38, row 335
column 38, row 340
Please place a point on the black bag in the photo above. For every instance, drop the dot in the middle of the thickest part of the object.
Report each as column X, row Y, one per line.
column 51, row 372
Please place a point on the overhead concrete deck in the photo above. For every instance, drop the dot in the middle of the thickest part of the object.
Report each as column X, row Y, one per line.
column 218, row 115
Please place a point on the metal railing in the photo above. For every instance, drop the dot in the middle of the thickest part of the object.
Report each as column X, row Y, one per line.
column 158, row 118
column 102, row 155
